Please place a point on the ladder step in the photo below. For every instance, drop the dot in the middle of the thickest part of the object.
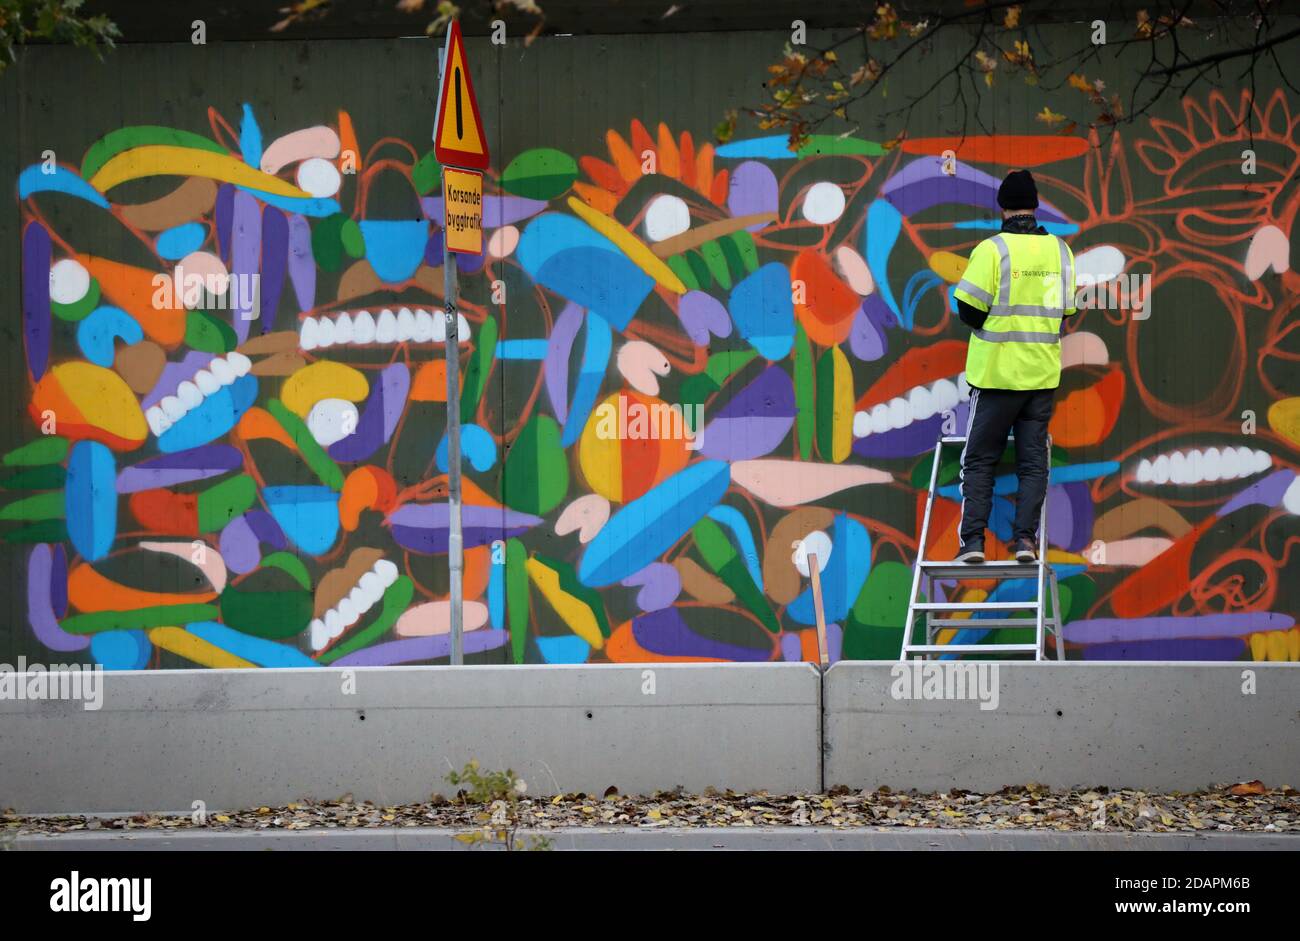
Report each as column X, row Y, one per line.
column 976, row 606
column 970, row 648
column 981, row 623
column 1007, row 569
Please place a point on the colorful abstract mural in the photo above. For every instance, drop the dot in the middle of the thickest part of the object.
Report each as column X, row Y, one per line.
column 686, row 369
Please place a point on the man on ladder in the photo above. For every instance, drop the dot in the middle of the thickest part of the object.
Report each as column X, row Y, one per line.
column 1015, row 295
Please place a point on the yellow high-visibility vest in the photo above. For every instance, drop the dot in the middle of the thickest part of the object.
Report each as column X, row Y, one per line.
column 1026, row 284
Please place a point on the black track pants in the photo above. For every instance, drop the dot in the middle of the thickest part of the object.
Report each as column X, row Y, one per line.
column 994, row 413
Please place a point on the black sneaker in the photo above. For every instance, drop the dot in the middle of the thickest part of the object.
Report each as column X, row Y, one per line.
column 1025, row 551
column 971, row 553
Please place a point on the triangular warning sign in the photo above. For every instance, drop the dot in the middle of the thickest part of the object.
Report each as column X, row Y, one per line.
column 458, row 136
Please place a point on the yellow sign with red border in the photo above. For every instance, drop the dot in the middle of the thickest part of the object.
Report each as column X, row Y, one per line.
column 462, row 200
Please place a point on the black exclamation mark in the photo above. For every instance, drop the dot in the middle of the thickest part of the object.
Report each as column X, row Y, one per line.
column 460, row 121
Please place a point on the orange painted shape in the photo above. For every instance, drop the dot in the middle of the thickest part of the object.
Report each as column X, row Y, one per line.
column 602, row 174
column 629, row 167
column 829, row 304
column 917, row 366
column 258, row 424
column 89, row 591
column 165, row 512
column 669, row 159
column 595, row 197
column 621, row 647
column 133, row 289
column 1023, row 150
column 641, row 142
column 1163, row 580
column 348, row 142
column 1086, row 416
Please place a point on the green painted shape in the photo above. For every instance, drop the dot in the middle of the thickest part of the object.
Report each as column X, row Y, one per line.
column 480, row 366
column 42, row 506
column 722, row 557
column 517, row 597
column 871, row 641
column 950, row 464
column 274, row 615
column 696, row 389
column 140, row 135
column 516, row 581
column 722, row 366
column 209, row 334
column 292, row 565
column 354, row 243
column 700, row 268
column 48, row 450
column 426, row 175
column 44, row 531
column 78, row 310
column 717, row 263
column 1082, row 594
column 883, row 598
column 168, row 615
column 321, row 464
column 825, row 405
column 735, row 263
column 46, row 477
column 824, row 145
column 220, row 504
column 806, row 419
column 744, row 243
column 540, row 173
column 682, row 268
column 396, row 600
column 327, row 242
column 570, row 584
column 535, row 475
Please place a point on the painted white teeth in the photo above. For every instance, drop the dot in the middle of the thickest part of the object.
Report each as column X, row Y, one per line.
column 206, row 382
column 1196, row 466
column 239, row 362
column 439, row 327
column 386, row 327
column 157, row 421
column 405, row 325
column 309, row 334
column 189, row 394
column 172, row 407
column 921, row 403
column 423, row 326
column 368, row 592
column 343, row 329
column 326, row 338
column 222, row 371
column 363, row 328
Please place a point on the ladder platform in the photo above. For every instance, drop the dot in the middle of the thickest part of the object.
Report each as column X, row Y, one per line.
column 1007, row 569
column 971, row 648
column 1031, row 605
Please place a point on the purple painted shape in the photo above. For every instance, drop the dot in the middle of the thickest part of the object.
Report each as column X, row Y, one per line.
column 246, row 257
column 302, row 264
column 422, row 527
column 379, row 419
column 275, row 262
column 225, row 212
column 497, row 210
column 1218, row 648
column 173, row 375
column 701, row 314
column 266, row 529
column 660, row 585
column 556, row 365
column 242, row 537
column 42, row 610
column 59, row 581
column 834, row 642
column 433, row 249
column 923, row 183
column 791, row 648
column 753, row 189
column 664, row 632
column 867, row 339
column 416, row 649
column 181, row 467
column 916, row 438
column 37, row 255
column 1081, row 513
column 1128, row 630
column 755, row 421
column 469, row 264
column 1060, row 512
column 1266, row 492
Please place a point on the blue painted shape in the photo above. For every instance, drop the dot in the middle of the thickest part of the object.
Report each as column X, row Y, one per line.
column 395, row 247
column 98, row 330
column 309, row 515
column 571, row 649
column 1063, row 474
column 259, row 650
column 476, row 446
column 315, row 206
column 62, row 180
column 180, row 240
column 920, row 282
column 844, row 575
column 497, row 590
column 522, row 349
column 214, row 416
column 648, row 526
column 884, row 223
column 90, row 499
column 121, row 650
column 1013, row 589
column 776, row 147
column 250, row 139
column 1055, row 228
column 763, row 311
column 735, row 521
column 568, row 256
column 1001, row 518
column 595, row 362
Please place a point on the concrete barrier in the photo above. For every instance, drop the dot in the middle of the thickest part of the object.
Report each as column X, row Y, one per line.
column 1145, row 725
column 235, row 738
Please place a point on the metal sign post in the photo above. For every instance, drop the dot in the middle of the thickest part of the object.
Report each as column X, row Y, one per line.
column 455, row 544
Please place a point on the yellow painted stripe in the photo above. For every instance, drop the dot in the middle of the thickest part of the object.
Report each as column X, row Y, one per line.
column 574, row 613
column 168, row 160
column 184, row 644
column 629, row 244
column 842, row 407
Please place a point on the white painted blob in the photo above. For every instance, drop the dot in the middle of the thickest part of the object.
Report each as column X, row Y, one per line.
column 823, row 203
column 1291, row 499
column 666, row 216
column 502, row 242
column 1098, row 265
column 332, row 420
column 815, row 543
column 69, row 281
column 319, row 177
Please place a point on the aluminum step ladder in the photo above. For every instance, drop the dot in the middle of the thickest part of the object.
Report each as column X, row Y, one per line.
column 927, row 572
